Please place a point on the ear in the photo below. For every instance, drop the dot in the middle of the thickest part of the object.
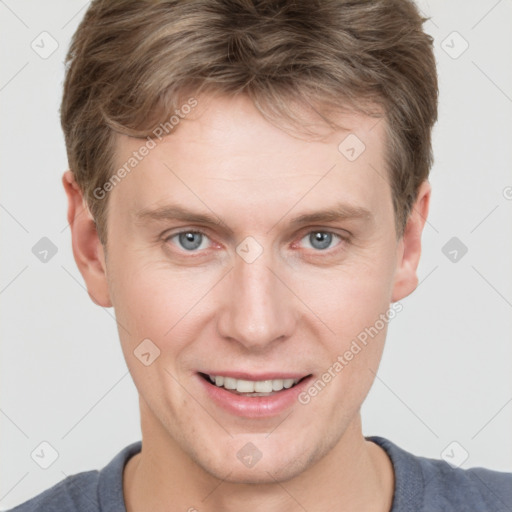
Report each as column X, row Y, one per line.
column 409, row 246
column 87, row 248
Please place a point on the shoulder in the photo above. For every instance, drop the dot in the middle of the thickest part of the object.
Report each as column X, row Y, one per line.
column 429, row 484
column 89, row 491
column 74, row 493
column 478, row 488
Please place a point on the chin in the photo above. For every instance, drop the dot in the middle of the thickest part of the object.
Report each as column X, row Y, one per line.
column 249, row 465
column 268, row 472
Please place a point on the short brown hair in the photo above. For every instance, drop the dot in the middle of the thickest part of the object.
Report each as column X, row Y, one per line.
column 131, row 63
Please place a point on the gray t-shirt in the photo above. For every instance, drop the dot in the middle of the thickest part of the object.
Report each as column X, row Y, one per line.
column 421, row 484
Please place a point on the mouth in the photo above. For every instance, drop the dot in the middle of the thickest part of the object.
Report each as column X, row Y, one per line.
column 253, row 397
column 252, row 388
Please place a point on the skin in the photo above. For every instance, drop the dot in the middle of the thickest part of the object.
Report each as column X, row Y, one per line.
column 296, row 308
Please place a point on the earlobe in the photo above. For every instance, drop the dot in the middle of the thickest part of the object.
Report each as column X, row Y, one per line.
column 409, row 247
column 87, row 248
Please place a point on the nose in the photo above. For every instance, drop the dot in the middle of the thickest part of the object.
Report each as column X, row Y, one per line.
column 257, row 308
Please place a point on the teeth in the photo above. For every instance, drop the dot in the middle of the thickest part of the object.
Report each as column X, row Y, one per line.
column 245, row 386
column 263, row 386
column 252, row 386
column 229, row 383
column 277, row 384
column 288, row 383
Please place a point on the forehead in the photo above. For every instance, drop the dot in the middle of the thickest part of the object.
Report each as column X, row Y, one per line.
column 225, row 155
column 234, row 126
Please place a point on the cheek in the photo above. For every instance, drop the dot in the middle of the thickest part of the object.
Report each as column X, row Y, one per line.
column 154, row 301
column 348, row 299
column 356, row 306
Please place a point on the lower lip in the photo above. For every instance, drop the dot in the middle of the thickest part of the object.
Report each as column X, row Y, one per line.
column 257, row 406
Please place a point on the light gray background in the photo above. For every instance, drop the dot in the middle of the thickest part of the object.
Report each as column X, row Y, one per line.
column 445, row 375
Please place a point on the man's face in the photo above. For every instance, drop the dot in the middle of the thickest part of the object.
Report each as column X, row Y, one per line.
column 256, row 295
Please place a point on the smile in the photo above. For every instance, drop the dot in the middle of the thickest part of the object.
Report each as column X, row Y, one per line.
column 252, row 387
column 263, row 397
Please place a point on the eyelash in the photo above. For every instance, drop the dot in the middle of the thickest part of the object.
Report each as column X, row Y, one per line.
column 342, row 239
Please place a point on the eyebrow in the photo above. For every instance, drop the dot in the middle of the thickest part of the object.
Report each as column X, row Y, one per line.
column 339, row 212
column 175, row 212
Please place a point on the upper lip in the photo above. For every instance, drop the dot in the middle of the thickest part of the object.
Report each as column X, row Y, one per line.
column 256, row 376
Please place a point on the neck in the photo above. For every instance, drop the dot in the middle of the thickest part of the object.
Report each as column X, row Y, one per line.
column 355, row 475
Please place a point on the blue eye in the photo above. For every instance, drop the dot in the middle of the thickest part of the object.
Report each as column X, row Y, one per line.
column 320, row 240
column 190, row 240
column 195, row 241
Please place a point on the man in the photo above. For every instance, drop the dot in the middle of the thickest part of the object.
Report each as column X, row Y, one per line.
column 248, row 186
